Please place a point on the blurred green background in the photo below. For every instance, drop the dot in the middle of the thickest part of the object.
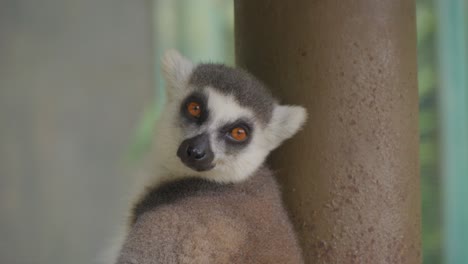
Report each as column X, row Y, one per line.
column 430, row 180
column 80, row 90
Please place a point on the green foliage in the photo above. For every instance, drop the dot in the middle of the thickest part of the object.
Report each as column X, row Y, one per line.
column 430, row 181
column 144, row 134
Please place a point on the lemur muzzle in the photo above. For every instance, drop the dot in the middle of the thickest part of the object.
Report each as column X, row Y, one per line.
column 196, row 153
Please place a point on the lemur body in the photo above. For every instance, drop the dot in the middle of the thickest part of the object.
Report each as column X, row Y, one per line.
column 211, row 200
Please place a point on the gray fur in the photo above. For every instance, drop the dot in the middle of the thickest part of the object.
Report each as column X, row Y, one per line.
column 174, row 191
column 247, row 90
column 197, row 221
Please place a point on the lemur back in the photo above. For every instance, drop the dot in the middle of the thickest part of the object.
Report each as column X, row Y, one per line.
column 197, row 221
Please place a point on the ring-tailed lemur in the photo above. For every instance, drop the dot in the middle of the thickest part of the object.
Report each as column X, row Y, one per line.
column 211, row 199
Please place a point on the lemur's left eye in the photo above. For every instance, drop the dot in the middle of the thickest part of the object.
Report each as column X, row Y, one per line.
column 239, row 134
column 194, row 109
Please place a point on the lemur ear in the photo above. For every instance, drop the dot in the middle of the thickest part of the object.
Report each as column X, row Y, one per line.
column 176, row 70
column 285, row 122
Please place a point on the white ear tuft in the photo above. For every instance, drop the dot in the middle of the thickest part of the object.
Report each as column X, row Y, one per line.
column 176, row 69
column 285, row 122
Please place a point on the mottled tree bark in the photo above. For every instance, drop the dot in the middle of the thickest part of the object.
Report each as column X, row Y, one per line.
column 351, row 178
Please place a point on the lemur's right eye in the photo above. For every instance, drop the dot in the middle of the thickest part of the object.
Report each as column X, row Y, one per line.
column 194, row 109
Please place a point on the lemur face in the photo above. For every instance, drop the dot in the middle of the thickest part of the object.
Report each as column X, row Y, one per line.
column 216, row 129
column 219, row 123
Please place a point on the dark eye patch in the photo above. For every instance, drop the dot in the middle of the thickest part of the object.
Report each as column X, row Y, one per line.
column 200, row 99
column 233, row 145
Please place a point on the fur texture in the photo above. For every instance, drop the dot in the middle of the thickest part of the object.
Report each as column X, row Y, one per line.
column 232, row 212
column 228, row 100
column 246, row 90
column 197, row 221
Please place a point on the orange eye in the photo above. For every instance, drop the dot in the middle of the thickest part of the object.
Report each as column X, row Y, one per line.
column 194, row 109
column 239, row 134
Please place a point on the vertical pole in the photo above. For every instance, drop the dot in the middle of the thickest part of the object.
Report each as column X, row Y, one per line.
column 351, row 178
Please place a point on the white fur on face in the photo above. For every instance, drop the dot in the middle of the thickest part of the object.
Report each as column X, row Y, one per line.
column 223, row 109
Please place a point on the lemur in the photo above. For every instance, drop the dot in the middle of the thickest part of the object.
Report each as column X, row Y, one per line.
column 211, row 199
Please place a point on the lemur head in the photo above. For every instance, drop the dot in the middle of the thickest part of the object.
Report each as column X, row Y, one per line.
column 219, row 123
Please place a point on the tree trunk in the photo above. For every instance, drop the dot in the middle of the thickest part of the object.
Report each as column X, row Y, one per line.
column 351, row 178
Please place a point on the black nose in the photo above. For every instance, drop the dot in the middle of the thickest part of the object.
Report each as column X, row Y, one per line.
column 196, row 153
